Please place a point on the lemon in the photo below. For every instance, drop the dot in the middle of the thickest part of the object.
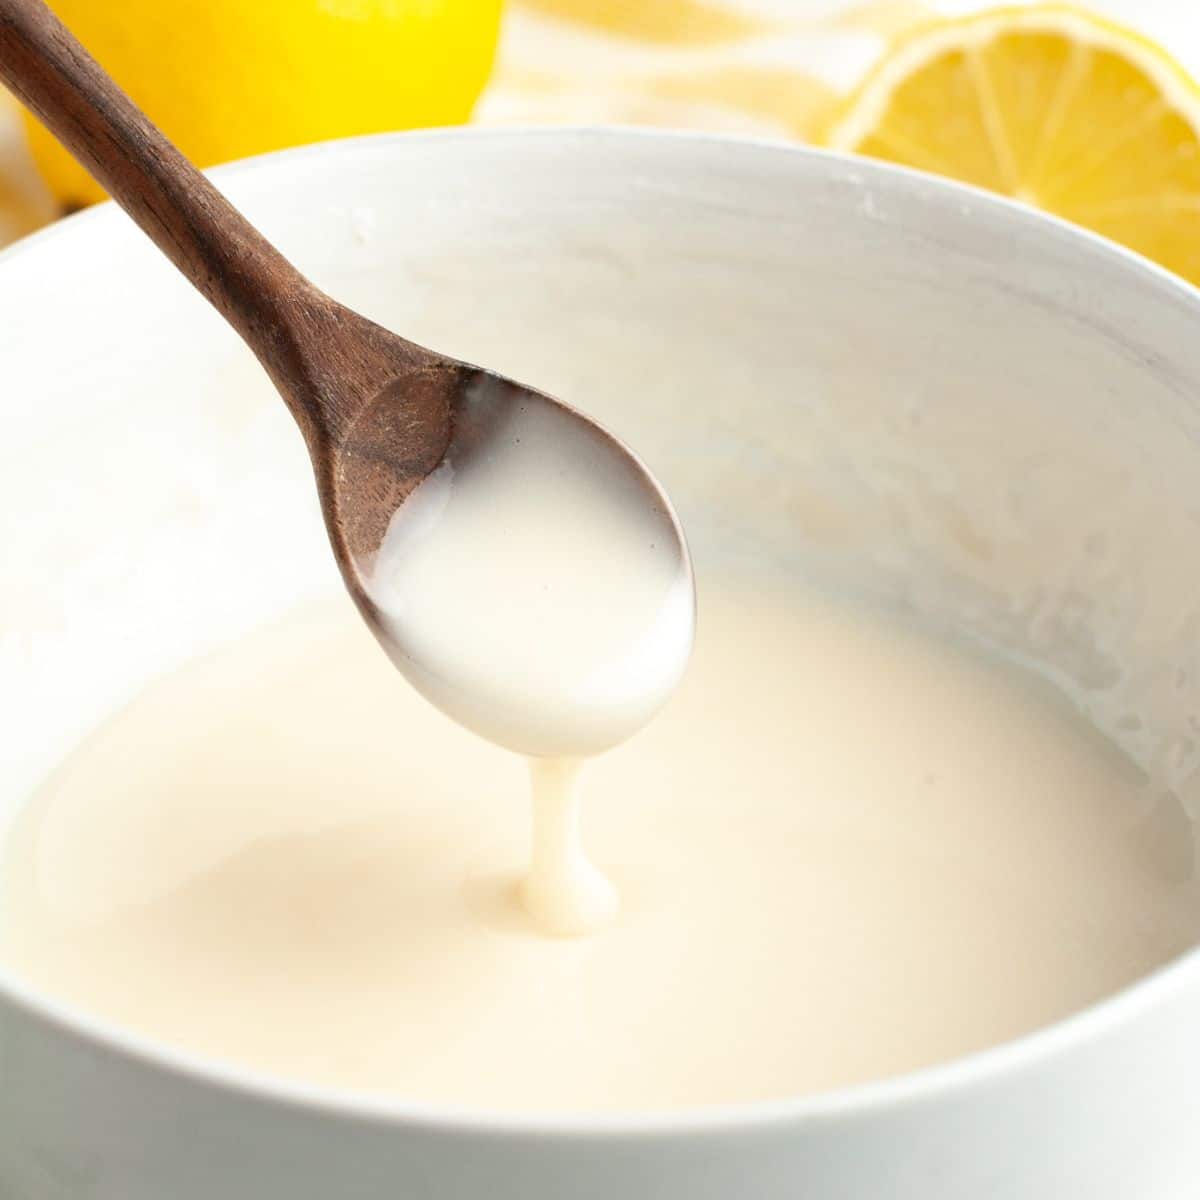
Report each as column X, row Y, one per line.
column 228, row 78
column 1052, row 106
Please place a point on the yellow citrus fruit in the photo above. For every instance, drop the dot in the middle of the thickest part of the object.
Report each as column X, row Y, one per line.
column 228, row 78
column 1050, row 105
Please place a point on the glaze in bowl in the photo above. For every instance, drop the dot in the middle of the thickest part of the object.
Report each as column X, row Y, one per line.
column 901, row 386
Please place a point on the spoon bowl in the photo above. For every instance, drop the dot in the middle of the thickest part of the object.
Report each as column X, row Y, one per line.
column 535, row 585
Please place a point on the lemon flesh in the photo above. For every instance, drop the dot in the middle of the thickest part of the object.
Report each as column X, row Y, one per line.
column 1052, row 106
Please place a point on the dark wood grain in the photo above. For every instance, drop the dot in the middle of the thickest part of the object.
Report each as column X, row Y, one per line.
column 377, row 411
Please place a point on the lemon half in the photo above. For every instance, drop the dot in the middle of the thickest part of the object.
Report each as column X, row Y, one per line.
column 1050, row 105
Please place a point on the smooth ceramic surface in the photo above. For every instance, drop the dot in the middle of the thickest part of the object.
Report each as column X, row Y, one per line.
column 969, row 411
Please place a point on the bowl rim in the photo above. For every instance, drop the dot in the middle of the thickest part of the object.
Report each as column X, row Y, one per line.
column 940, row 1081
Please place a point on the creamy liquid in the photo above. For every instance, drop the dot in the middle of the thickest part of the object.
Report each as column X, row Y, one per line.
column 535, row 587
column 563, row 891
column 844, row 850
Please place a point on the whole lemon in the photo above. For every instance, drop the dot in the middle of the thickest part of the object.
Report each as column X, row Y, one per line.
column 228, row 78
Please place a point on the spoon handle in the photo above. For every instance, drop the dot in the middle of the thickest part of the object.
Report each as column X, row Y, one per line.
column 245, row 278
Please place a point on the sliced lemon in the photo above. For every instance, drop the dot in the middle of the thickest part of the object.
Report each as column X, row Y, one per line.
column 1050, row 105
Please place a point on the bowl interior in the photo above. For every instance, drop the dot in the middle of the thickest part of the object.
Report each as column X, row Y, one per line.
column 889, row 385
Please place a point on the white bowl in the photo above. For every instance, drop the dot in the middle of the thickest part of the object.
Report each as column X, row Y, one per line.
column 886, row 380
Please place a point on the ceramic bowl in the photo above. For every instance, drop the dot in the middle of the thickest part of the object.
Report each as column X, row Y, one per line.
column 975, row 413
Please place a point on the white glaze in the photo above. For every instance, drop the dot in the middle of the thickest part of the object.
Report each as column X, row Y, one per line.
column 926, row 361
column 536, row 589
column 563, row 890
column 843, row 851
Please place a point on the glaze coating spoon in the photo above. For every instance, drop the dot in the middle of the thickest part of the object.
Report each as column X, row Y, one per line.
column 520, row 565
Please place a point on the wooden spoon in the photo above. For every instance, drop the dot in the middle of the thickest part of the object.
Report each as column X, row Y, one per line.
column 379, row 413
